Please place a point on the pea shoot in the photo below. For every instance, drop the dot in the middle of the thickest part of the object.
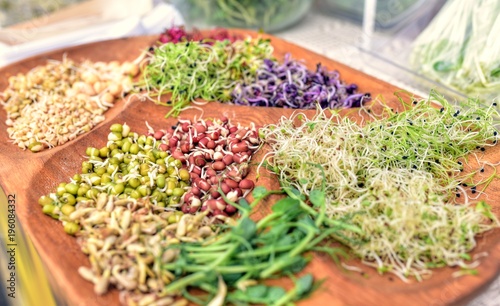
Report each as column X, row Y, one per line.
column 249, row 251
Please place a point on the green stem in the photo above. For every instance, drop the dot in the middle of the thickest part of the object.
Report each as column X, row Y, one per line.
column 264, row 251
column 206, row 248
column 224, row 257
column 322, row 213
column 287, row 298
column 268, row 193
column 184, row 282
column 302, row 246
column 219, row 241
column 220, row 270
column 322, row 236
column 314, row 213
column 263, row 222
column 331, row 251
column 192, row 298
column 204, row 257
column 244, row 212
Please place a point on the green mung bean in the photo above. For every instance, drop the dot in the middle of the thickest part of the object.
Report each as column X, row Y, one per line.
column 128, row 166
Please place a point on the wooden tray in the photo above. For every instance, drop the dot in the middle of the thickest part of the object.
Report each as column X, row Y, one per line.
column 30, row 175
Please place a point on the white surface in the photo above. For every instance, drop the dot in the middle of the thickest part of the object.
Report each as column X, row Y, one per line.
column 138, row 17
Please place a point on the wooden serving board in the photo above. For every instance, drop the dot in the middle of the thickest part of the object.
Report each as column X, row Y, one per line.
column 31, row 175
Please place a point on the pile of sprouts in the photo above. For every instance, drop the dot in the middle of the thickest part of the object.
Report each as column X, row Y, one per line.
column 242, row 72
column 399, row 176
column 291, row 85
column 191, row 71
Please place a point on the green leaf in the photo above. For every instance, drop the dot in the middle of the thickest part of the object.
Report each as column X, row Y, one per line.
column 246, row 228
column 258, row 294
column 180, row 264
column 317, row 197
column 275, row 232
column 304, row 284
column 259, row 192
column 495, row 72
column 465, row 256
column 274, row 293
column 443, row 66
column 244, row 204
column 294, row 264
column 297, row 235
column 485, row 209
column 303, row 181
column 286, row 205
column 307, row 221
column 257, row 291
column 232, row 277
column 311, row 125
column 287, row 240
column 240, row 296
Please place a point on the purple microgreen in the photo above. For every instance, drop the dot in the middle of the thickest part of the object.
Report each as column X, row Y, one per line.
column 291, row 85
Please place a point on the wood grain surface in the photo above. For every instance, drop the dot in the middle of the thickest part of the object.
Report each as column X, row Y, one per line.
column 31, row 175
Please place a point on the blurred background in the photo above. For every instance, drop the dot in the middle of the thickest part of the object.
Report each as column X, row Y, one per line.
column 388, row 39
column 375, row 36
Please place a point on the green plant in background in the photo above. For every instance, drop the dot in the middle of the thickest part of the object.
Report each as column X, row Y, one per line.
column 460, row 48
column 388, row 13
column 15, row 11
column 269, row 15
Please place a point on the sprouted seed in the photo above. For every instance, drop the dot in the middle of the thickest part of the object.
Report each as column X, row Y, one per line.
column 129, row 166
column 152, row 252
column 126, row 239
column 195, row 70
column 54, row 103
column 217, row 152
column 397, row 176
